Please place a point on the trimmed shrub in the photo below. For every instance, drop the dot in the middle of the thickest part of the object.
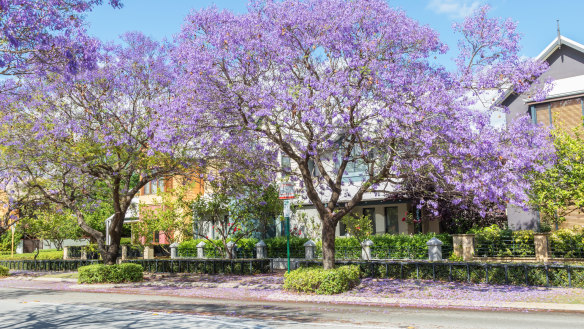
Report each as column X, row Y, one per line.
column 321, row 281
column 3, row 271
column 101, row 273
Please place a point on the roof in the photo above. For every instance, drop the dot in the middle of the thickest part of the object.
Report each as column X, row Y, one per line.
column 554, row 45
column 566, row 87
column 131, row 213
column 560, row 89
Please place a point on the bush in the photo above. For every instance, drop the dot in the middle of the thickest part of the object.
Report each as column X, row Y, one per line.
column 321, row 281
column 101, row 273
column 493, row 241
column 567, row 243
column 3, row 271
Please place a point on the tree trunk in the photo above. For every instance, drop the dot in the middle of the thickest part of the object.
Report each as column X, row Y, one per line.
column 328, row 243
column 110, row 254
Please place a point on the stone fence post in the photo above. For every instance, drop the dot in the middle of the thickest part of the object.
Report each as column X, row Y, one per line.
column 434, row 249
column 201, row 249
column 309, row 250
column 231, row 250
column 173, row 249
column 463, row 245
column 261, row 250
column 148, row 252
column 83, row 253
column 124, row 252
column 366, row 249
column 542, row 252
column 66, row 253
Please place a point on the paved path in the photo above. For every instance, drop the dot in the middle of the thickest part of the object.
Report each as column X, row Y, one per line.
column 32, row 308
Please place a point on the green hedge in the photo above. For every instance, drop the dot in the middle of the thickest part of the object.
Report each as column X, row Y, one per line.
column 43, row 255
column 567, row 243
column 493, row 241
column 101, row 273
column 3, row 271
column 321, row 281
column 276, row 247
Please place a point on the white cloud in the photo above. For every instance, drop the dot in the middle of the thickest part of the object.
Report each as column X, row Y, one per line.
column 453, row 8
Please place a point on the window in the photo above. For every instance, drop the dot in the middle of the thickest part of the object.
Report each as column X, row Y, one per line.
column 391, row 220
column 355, row 169
column 156, row 237
column 342, row 229
column 313, row 169
column 154, row 186
column 370, row 212
column 567, row 113
column 286, row 165
column 357, row 166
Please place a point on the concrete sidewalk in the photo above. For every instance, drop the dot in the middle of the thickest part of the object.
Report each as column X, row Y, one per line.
column 374, row 292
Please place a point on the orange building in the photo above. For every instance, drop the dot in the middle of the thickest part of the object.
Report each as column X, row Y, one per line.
column 150, row 197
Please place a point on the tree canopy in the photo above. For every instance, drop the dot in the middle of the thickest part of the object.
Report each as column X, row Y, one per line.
column 345, row 87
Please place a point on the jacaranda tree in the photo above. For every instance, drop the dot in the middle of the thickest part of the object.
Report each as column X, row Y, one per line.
column 344, row 85
column 63, row 138
column 38, row 37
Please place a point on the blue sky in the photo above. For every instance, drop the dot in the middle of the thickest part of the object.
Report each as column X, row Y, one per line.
column 536, row 18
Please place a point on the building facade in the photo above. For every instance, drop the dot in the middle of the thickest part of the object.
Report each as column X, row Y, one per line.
column 563, row 106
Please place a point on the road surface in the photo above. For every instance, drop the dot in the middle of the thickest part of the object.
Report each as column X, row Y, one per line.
column 28, row 308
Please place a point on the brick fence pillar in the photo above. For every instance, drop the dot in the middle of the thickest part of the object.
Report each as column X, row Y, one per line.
column 148, row 252
column 542, row 252
column 124, row 252
column 463, row 245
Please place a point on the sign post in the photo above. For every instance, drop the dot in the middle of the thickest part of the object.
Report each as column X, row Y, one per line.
column 286, row 194
column 13, row 229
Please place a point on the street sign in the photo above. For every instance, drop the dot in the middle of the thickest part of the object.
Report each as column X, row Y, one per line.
column 287, row 211
column 286, row 191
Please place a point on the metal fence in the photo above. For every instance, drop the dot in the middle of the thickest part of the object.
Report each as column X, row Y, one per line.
column 46, row 265
column 135, row 252
column 504, row 248
column 208, row 266
column 295, row 252
column 490, row 273
column 575, row 249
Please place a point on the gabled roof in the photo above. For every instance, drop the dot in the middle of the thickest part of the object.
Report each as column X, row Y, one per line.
column 545, row 54
column 555, row 44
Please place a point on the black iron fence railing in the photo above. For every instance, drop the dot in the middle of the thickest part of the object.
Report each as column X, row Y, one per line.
column 504, row 248
column 75, row 251
column 58, row 265
column 563, row 250
column 283, row 252
column 490, row 273
column 133, row 251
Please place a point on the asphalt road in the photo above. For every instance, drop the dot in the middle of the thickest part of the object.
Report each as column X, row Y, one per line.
column 24, row 308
